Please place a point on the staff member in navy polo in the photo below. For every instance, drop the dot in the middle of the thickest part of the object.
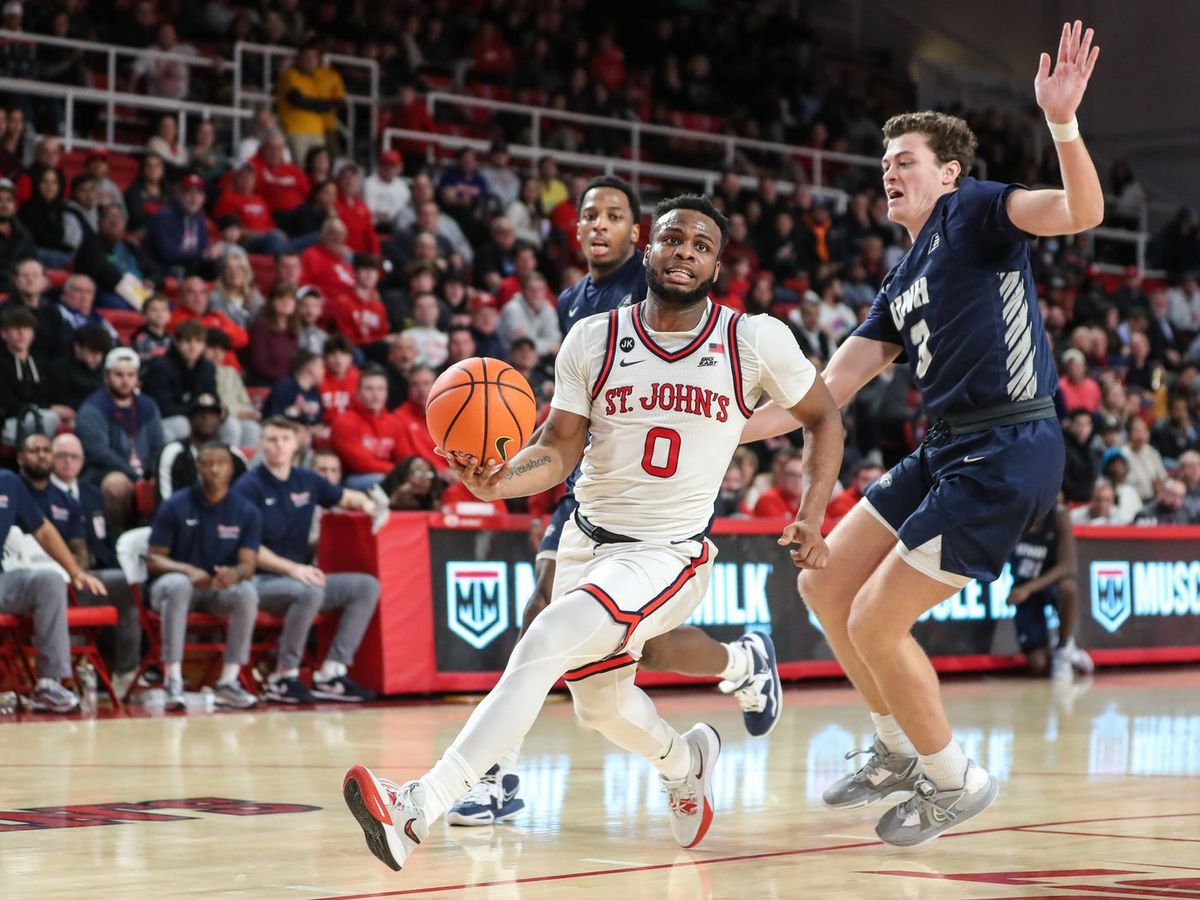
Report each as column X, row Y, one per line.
column 35, row 461
column 287, row 497
column 41, row 594
column 203, row 546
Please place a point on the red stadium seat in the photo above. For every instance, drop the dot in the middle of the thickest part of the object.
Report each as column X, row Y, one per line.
column 125, row 321
column 258, row 395
column 86, row 622
column 15, row 670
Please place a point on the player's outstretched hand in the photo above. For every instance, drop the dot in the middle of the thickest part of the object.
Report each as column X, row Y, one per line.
column 1059, row 94
column 812, row 552
column 480, row 478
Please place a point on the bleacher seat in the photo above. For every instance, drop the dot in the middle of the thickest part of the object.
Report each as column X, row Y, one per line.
column 125, row 321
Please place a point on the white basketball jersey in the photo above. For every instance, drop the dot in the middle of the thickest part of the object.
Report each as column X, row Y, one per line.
column 667, row 411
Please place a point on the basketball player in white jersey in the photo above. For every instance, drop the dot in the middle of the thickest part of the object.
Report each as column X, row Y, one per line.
column 664, row 388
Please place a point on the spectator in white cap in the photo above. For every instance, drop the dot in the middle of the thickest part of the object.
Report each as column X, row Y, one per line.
column 1079, row 391
column 385, row 192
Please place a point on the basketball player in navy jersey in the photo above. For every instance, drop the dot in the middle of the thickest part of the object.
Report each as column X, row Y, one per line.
column 609, row 214
column 961, row 308
column 1043, row 572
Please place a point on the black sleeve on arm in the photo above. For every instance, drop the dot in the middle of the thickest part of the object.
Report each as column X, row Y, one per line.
column 311, row 104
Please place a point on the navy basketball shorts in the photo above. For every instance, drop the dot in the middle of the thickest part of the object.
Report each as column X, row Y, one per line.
column 1030, row 619
column 958, row 506
column 567, row 505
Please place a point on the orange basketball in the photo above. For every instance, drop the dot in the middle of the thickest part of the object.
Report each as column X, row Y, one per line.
column 481, row 407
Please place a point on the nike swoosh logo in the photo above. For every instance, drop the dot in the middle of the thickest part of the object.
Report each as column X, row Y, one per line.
column 191, row 521
column 270, row 501
column 408, row 830
column 630, row 362
column 971, row 459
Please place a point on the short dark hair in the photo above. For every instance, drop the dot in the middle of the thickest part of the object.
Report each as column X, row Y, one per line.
column 279, row 422
column 523, row 342
column 949, row 137
column 372, row 371
column 17, row 316
column 215, row 337
column 1079, row 411
column 92, row 337
column 337, row 343
column 698, row 203
column 80, row 180
column 190, row 330
column 617, row 184
column 301, row 359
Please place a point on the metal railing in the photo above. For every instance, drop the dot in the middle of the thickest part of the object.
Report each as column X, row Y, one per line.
column 634, row 133
column 270, row 53
column 72, row 96
column 704, row 179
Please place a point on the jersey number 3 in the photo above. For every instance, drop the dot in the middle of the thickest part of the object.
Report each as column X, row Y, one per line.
column 661, row 456
column 919, row 335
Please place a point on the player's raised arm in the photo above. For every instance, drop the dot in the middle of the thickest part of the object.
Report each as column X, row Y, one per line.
column 539, row 467
column 1080, row 204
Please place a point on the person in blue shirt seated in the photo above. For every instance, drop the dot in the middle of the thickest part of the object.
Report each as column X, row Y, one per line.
column 288, row 497
column 35, row 462
column 41, row 595
column 203, row 549
column 299, row 394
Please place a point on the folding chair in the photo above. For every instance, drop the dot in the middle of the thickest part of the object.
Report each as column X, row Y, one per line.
column 131, row 557
column 86, row 622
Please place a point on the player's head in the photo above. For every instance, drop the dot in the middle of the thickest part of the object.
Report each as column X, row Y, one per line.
column 279, row 441
column 214, row 466
column 925, row 155
column 609, row 211
column 682, row 261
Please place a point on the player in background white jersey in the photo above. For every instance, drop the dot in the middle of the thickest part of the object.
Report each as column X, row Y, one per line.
column 635, row 561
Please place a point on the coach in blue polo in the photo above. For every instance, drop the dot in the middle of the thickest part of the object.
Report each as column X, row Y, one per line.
column 288, row 496
column 203, row 545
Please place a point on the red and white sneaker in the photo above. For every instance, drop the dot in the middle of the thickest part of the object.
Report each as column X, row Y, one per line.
column 690, row 799
column 389, row 814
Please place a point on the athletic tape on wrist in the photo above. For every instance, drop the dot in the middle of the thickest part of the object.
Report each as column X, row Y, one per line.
column 1062, row 132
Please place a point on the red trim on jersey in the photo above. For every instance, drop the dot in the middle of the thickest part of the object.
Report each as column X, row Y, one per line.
column 596, row 668
column 691, row 348
column 735, row 365
column 610, row 351
column 631, row 620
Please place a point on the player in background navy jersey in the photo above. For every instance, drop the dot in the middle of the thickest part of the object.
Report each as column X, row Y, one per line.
column 960, row 308
column 1043, row 572
column 607, row 229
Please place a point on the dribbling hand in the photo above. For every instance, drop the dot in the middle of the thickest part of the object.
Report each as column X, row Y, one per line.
column 480, row 478
column 1059, row 95
column 812, row 552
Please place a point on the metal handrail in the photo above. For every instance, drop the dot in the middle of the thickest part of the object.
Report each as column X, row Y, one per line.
column 706, row 178
column 636, row 129
column 72, row 94
column 51, row 40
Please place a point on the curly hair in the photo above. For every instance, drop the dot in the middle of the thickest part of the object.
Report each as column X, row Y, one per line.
column 949, row 137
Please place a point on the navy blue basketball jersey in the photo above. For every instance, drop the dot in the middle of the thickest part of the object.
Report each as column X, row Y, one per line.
column 1035, row 552
column 962, row 304
column 624, row 286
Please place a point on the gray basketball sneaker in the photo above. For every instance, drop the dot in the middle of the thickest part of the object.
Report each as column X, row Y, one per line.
column 930, row 812
column 884, row 773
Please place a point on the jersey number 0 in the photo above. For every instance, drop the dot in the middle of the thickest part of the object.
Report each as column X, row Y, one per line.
column 661, row 456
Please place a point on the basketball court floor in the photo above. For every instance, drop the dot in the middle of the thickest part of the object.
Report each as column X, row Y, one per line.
column 1100, row 798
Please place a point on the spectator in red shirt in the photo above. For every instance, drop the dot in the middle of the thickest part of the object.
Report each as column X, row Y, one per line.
column 565, row 216
column 283, row 185
column 259, row 234
column 863, row 474
column 525, row 263
column 326, row 266
column 783, row 500
column 1077, row 389
column 274, row 338
column 193, row 305
column 412, row 414
column 369, row 439
column 340, row 383
column 361, row 315
column 491, row 57
column 608, row 64
column 352, row 209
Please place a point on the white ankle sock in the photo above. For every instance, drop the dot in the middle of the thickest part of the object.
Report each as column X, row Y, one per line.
column 331, row 669
column 229, row 672
column 947, row 768
column 173, row 670
column 673, row 765
column 47, row 682
column 446, row 782
column 892, row 735
column 508, row 762
column 740, row 665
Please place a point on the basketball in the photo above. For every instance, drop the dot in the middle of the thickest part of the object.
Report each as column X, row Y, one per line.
column 481, row 407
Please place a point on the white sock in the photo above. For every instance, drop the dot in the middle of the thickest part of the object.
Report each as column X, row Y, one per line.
column 740, row 665
column 446, row 782
column 47, row 682
column 173, row 670
column 508, row 762
column 229, row 672
column 892, row 735
column 286, row 673
column 673, row 765
column 331, row 669
column 947, row 768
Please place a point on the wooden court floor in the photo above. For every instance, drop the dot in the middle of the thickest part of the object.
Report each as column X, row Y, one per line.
column 1100, row 798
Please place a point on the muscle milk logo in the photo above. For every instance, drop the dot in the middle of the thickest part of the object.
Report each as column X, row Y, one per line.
column 477, row 601
column 1112, row 599
column 1150, row 588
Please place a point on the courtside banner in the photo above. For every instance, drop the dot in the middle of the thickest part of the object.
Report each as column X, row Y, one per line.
column 454, row 591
